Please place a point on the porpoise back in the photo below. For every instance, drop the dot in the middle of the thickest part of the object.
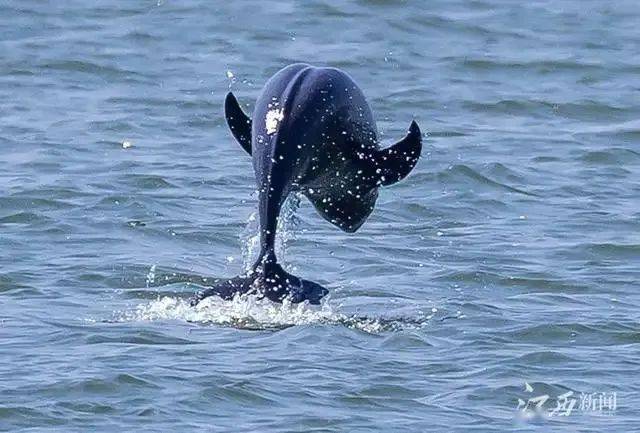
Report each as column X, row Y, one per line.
column 312, row 131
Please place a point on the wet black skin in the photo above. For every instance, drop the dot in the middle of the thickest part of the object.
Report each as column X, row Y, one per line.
column 311, row 131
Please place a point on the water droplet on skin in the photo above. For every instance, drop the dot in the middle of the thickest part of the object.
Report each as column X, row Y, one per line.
column 273, row 119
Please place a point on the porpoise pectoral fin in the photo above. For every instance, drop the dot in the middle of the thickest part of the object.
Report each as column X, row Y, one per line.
column 346, row 210
column 239, row 123
column 396, row 162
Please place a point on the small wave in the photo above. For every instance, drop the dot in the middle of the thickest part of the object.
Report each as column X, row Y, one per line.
column 11, row 283
column 433, row 134
column 33, row 203
column 544, row 66
column 148, row 181
column 23, row 218
column 622, row 130
column 461, row 172
column 510, row 107
column 251, row 313
column 104, row 71
column 611, row 156
column 613, row 250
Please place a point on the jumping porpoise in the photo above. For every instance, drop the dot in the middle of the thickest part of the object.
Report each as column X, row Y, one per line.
column 313, row 132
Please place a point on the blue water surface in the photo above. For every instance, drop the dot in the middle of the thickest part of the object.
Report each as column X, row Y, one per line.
column 503, row 269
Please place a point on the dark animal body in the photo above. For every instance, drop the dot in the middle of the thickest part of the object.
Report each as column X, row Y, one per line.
column 312, row 131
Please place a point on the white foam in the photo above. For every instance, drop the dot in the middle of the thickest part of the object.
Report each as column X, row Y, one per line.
column 247, row 312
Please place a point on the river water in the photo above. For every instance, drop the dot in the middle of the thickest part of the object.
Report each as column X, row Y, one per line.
column 504, row 269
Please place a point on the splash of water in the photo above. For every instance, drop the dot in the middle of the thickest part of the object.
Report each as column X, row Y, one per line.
column 250, row 312
column 287, row 223
column 151, row 276
column 250, row 241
